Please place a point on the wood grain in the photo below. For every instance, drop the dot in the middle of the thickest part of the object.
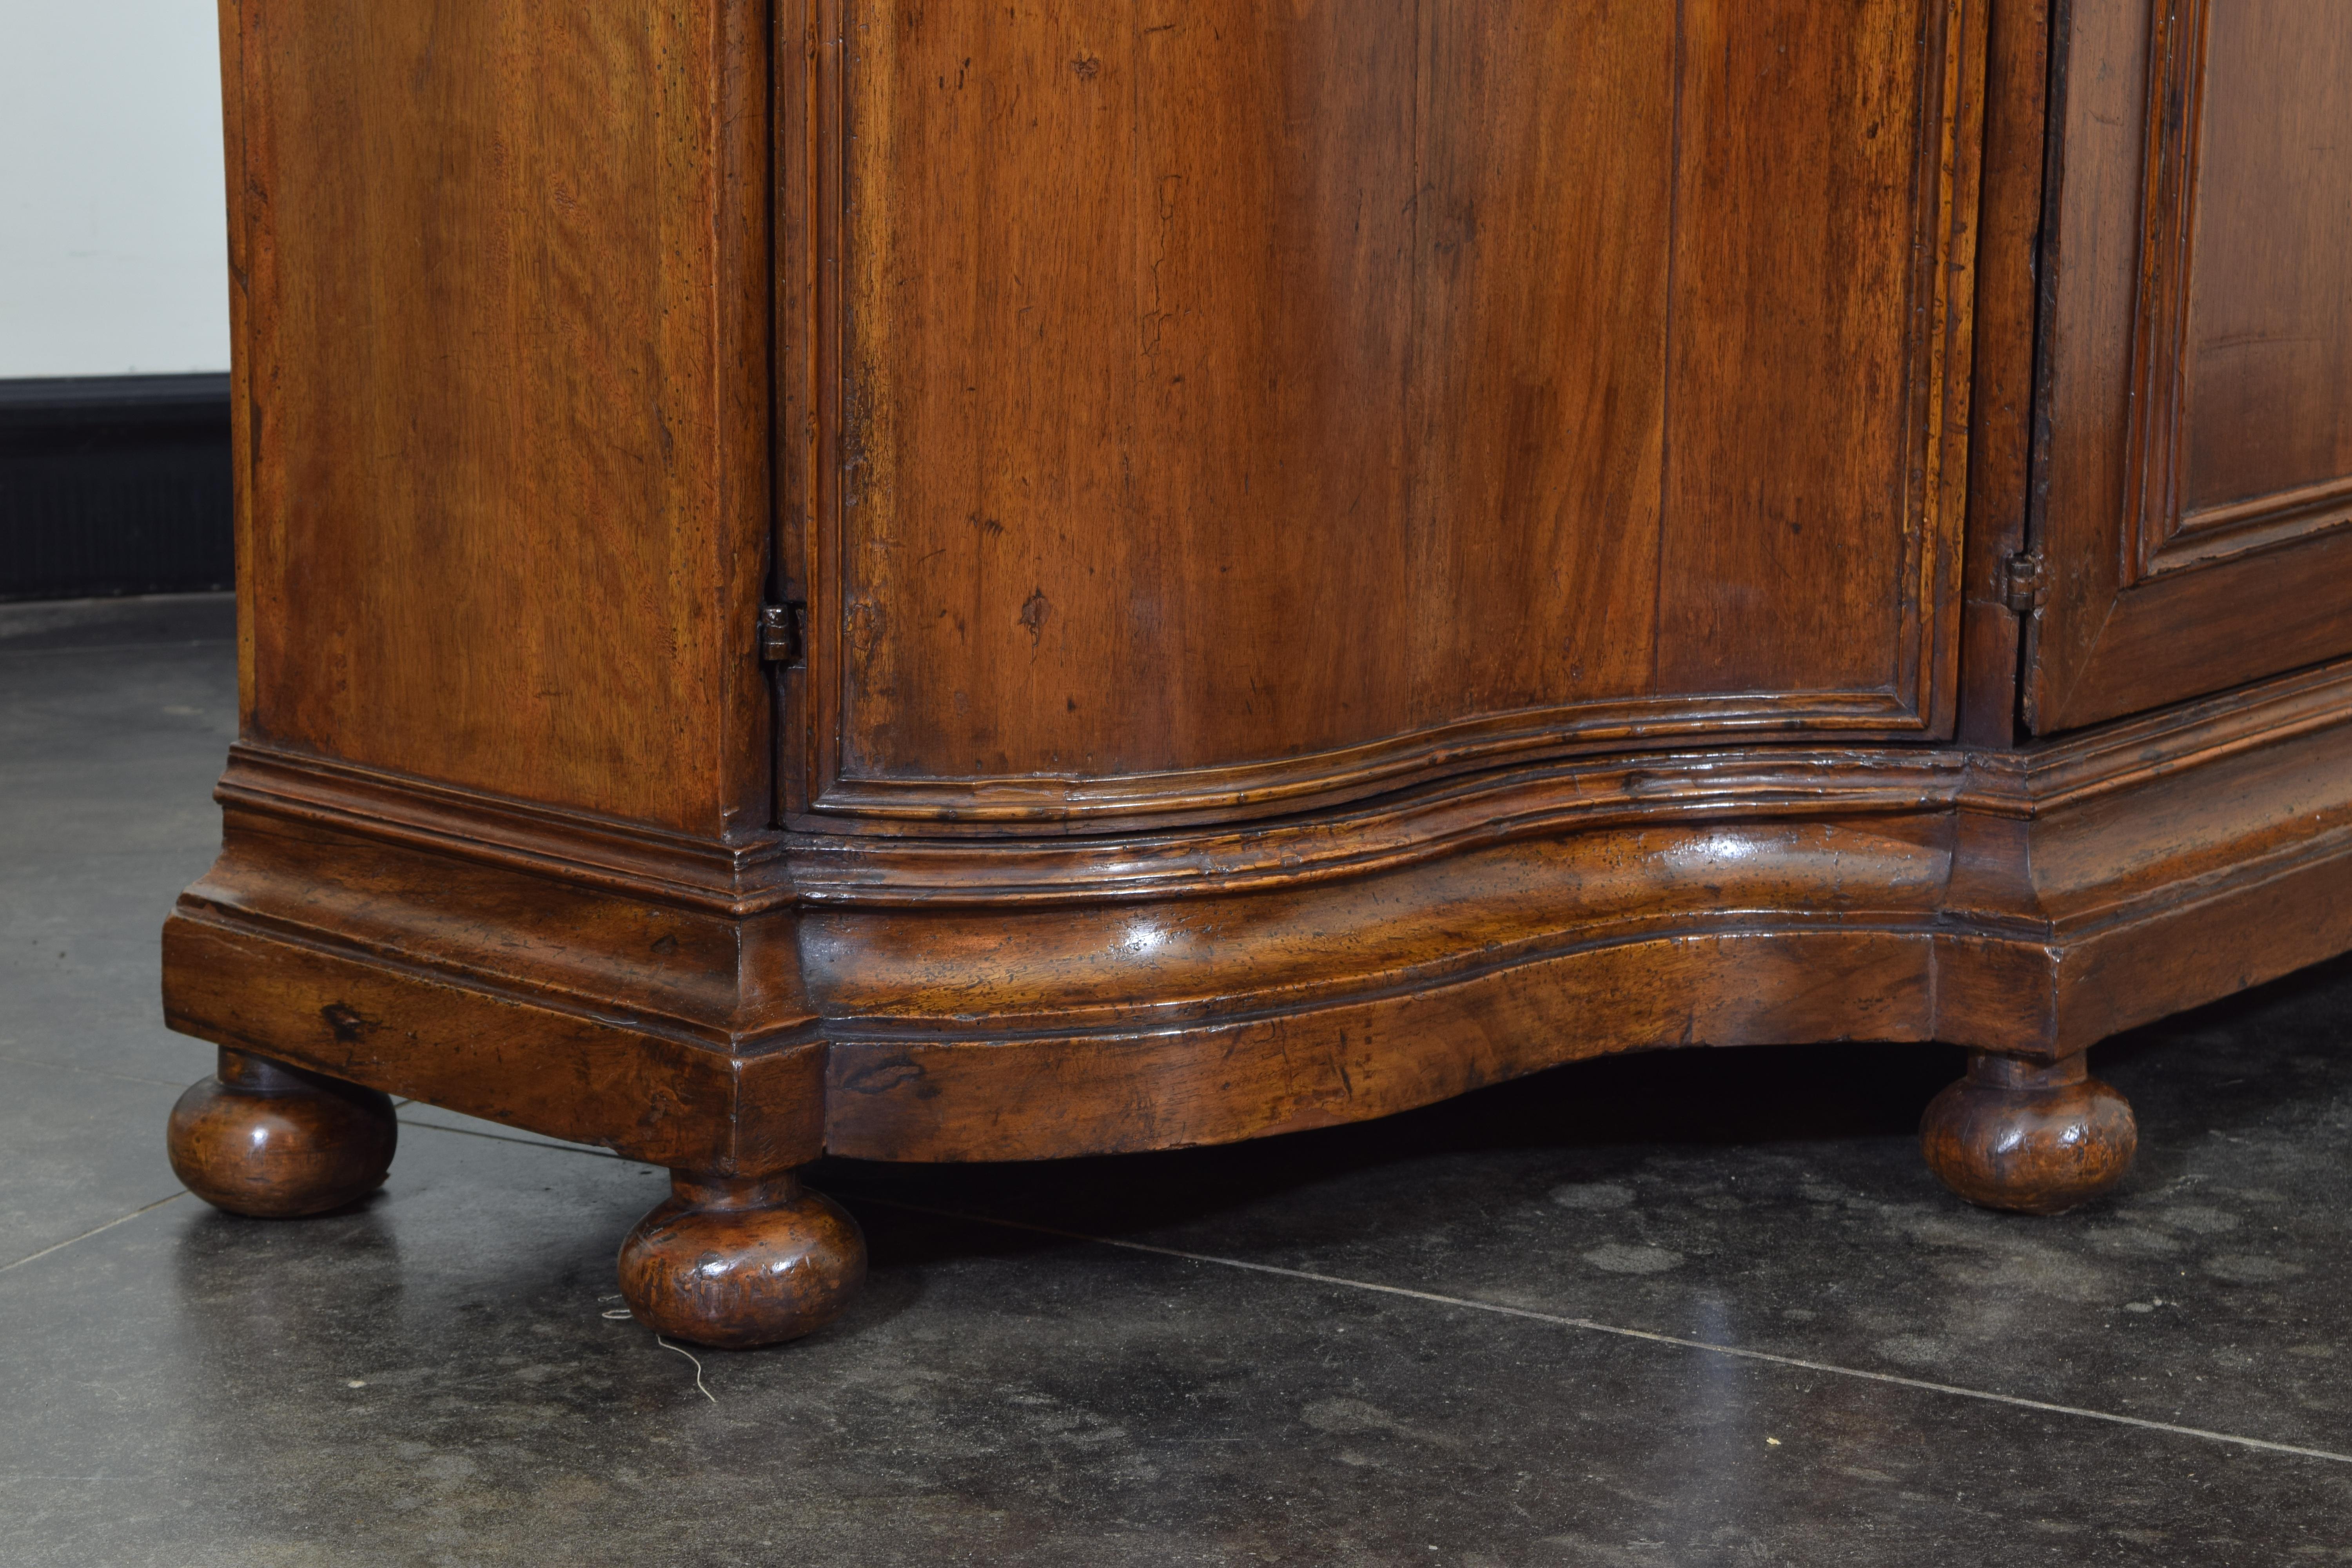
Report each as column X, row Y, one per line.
column 503, row 356
column 2033, row 1138
column 2199, row 456
column 1256, row 403
column 741, row 1263
column 1213, row 1083
column 1277, row 975
column 2268, row 334
column 2002, row 403
column 271, row 1141
column 592, row 1074
column 1349, row 553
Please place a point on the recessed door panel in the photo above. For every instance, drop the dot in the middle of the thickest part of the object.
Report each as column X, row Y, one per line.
column 1234, row 405
column 2198, row 521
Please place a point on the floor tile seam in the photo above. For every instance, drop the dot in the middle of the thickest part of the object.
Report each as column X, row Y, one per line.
column 1590, row 1325
column 96, row 1072
column 94, row 1230
column 547, row 1144
column 176, row 646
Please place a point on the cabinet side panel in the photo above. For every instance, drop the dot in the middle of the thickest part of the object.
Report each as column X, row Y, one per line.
column 504, row 354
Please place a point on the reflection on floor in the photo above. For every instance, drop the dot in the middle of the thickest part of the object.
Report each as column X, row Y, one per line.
column 1478, row 1334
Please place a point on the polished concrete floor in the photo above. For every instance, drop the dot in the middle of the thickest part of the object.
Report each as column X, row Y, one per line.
column 1693, row 1308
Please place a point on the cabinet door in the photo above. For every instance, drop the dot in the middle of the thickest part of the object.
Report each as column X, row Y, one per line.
column 2197, row 514
column 1234, row 405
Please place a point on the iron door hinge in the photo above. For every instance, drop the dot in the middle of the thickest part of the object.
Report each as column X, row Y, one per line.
column 780, row 641
column 2025, row 582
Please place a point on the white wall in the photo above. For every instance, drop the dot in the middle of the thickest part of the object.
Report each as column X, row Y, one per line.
column 113, row 242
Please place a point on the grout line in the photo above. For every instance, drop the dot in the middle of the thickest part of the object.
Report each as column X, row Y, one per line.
column 1591, row 1326
column 85, row 1236
column 509, row 1138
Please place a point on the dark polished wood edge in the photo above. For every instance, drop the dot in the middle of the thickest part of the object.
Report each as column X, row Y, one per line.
column 2001, row 403
column 620, row 987
column 1326, row 778
column 2081, row 766
column 645, row 861
column 470, row 1045
column 764, row 871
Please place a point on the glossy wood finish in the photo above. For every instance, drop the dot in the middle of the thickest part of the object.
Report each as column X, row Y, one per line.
column 1167, row 499
column 994, row 999
column 742, row 1263
column 500, row 303
column 2035, row 1138
column 274, row 1141
column 1349, row 553
column 2199, row 338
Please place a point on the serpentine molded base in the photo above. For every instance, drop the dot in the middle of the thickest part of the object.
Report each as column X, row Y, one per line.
column 742, row 1263
column 277, row 1142
column 2015, row 1134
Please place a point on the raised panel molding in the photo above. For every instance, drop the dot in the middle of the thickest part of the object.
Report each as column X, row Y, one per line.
column 2170, row 530
column 2192, row 471
column 885, row 998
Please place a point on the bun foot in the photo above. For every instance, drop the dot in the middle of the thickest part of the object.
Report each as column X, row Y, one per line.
column 277, row 1142
column 741, row 1263
column 2015, row 1134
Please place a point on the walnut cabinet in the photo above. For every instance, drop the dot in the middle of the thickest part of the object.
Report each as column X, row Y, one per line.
column 977, row 581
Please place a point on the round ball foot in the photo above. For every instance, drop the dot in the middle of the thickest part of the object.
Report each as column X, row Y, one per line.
column 2035, row 1139
column 742, row 1263
column 276, row 1142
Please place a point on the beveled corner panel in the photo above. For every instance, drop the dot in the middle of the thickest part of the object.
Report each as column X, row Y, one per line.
column 501, row 287
column 2198, row 346
column 1229, row 407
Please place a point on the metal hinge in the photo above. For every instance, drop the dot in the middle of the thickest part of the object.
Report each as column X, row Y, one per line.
column 2025, row 582
column 780, row 634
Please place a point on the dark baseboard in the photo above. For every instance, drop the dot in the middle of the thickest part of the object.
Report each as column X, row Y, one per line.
column 116, row 484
